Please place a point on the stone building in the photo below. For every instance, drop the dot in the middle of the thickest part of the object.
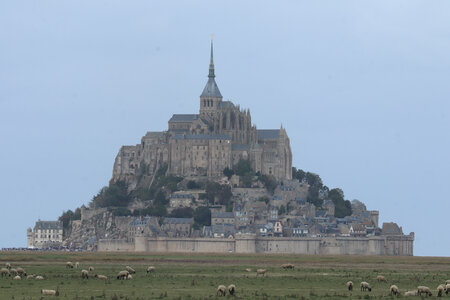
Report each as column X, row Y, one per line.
column 45, row 234
column 204, row 144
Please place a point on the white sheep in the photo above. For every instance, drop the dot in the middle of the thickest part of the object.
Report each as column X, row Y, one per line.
column 13, row 272
column 50, row 292
column 410, row 293
column 39, row 277
column 447, row 282
column 365, row 286
column 221, row 290
column 393, row 290
column 21, row 271
column 129, row 277
column 248, row 270
column 84, row 274
column 8, row 266
column 231, row 289
column 17, row 277
column 77, row 264
column 32, row 276
column 261, row 272
column 381, row 278
column 5, row 272
column 69, row 265
column 424, row 289
column 447, row 288
column 102, row 277
column 287, row 266
column 150, row 269
column 123, row 275
column 350, row 285
column 91, row 269
column 440, row 289
column 130, row 269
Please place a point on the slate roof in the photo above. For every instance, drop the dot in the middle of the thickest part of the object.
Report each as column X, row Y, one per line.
column 225, row 104
column 153, row 134
column 200, row 137
column 240, row 147
column 187, row 195
column 183, row 118
column 178, row 221
column 268, row 134
column 222, row 215
column 211, row 89
column 49, row 225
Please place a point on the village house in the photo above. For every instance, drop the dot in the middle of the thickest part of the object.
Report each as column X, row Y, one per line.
column 181, row 199
column 218, row 218
column 175, row 227
column 45, row 234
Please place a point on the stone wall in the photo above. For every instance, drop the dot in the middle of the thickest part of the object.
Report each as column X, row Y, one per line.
column 379, row 245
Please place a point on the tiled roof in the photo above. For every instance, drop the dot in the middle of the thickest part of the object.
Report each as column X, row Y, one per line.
column 178, row 221
column 49, row 225
column 182, row 118
column 268, row 134
column 211, row 89
column 222, row 215
column 200, row 137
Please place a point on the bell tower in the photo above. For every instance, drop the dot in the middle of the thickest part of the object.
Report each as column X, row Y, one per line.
column 211, row 96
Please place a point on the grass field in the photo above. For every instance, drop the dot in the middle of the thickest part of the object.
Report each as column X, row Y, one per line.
column 196, row 276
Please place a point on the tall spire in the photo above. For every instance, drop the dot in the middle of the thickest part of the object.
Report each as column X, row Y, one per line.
column 211, row 63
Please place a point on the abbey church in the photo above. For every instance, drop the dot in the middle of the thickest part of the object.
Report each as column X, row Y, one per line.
column 206, row 143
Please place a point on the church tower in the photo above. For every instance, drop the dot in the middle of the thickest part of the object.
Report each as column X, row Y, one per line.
column 211, row 96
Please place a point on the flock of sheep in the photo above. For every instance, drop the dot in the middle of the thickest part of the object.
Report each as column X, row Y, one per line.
column 18, row 273
column 394, row 290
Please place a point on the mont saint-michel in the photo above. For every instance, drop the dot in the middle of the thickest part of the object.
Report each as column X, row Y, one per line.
column 214, row 182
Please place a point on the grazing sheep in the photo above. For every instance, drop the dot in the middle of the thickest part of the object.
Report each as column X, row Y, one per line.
column 410, row 293
column 84, row 274
column 13, row 272
column 69, row 265
column 350, row 286
column 8, row 266
column 261, row 272
column 32, row 276
column 365, row 286
column 150, row 269
column 231, row 289
column 440, row 289
column 287, row 266
column 21, row 271
column 123, row 275
column 394, row 290
column 248, row 270
column 5, row 272
column 39, row 278
column 447, row 282
column 221, row 290
column 381, row 278
column 91, row 269
column 424, row 289
column 130, row 269
column 49, row 292
column 17, row 277
column 129, row 277
column 103, row 277
column 447, row 288
column 77, row 264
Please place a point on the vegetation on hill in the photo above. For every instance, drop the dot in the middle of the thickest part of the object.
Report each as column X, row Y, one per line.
column 318, row 192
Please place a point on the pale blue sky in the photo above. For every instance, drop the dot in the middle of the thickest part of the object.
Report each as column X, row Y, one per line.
column 362, row 88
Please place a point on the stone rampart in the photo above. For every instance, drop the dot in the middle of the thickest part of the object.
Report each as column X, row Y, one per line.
column 376, row 245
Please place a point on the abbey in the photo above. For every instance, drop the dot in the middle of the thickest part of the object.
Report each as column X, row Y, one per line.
column 206, row 143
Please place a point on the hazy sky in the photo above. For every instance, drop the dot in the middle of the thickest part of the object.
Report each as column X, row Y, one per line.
column 362, row 87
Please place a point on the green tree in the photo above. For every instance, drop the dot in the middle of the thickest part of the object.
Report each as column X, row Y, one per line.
column 216, row 192
column 243, row 166
column 281, row 210
column 192, row 185
column 247, row 179
column 228, row 172
column 269, row 182
column 342, row 207
column 182, row 212
column 202, row 216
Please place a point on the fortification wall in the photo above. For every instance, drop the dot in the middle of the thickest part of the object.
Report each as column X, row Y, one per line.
column 379, row 245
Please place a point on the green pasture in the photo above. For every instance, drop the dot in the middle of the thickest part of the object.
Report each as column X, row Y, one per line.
column 196, row 276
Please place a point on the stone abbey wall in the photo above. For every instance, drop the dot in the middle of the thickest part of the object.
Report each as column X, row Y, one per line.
column 376, row 245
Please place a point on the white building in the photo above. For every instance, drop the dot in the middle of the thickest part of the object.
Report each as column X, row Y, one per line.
column 45, row 233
